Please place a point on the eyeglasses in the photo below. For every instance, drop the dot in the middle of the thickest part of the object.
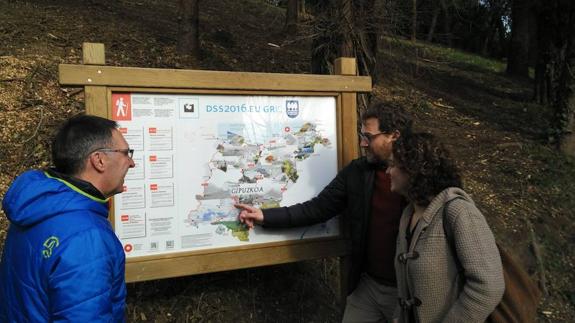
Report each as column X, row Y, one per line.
column 368, row 137
column 128, row 152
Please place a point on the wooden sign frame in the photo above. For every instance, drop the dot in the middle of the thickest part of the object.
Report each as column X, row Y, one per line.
column 99, row 81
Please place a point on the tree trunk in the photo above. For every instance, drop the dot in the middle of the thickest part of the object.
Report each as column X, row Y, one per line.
column 503, row 43
column 542, row 92
column 436, row 11
column 567, row 143
column 188, row 34
column 347, row 29
column 489, row 40
column 566, row 94
column 414, row 21
column 323, row 47
column 366, row 36
column 517, row 59
column 291, row 17
column 446, row 22
column 533, row 41
column 301, row 8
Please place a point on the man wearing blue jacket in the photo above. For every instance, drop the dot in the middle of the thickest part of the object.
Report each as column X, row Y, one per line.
column 61, row 260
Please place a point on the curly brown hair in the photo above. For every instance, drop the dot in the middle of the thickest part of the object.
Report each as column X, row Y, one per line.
column 391, row 117
column 428, row 164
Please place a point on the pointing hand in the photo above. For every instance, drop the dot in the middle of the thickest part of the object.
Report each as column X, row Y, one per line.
column 250, row 215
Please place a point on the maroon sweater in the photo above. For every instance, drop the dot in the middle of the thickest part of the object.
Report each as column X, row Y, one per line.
column 382, row 230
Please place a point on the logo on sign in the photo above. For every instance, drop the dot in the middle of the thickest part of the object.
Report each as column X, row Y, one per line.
column 292, row 108
column 189, row 107
column 121, row 107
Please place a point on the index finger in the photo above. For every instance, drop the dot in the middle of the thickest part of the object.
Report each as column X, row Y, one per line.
column 245, row 207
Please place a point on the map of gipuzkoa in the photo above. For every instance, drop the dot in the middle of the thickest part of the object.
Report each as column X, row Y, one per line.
column 196, row 155
column 254, row 173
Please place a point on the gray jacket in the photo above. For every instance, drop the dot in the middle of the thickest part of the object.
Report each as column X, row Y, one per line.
column 441, row 286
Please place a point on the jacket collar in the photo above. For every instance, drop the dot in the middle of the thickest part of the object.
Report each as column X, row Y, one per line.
column 439, row 201
column 86, row 188
column 434, row 208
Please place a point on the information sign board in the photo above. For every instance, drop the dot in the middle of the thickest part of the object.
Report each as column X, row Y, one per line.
column 197, row 155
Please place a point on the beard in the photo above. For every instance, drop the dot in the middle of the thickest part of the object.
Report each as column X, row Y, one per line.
column 371, row 156
column 373, row 159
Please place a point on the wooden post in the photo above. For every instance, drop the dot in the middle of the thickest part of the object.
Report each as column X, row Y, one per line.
column 96, row 96
column 347, row 66
column 93, row 54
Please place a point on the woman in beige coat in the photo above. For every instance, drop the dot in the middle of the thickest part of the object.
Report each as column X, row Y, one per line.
column 447, row 264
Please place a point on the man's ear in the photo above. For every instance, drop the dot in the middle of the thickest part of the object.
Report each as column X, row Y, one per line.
column 97, row 162
column 395, row 134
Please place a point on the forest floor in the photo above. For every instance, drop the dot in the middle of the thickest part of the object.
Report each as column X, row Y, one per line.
column 523, row 185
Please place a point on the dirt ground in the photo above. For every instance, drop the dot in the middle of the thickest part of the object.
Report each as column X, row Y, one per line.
column 525, row 188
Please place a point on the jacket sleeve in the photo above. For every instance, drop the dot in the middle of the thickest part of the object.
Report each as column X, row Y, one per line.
column 119, row 292
column 479, row 257
column 329, row 203
column 84, row 284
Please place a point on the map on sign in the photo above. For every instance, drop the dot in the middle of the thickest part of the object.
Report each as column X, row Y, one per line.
column 255, row 173
column 198, row 155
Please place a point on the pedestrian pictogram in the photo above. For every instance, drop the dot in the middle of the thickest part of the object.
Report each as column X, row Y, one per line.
column 121, row 107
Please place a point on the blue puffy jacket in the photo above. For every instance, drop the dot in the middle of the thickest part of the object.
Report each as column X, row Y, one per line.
column 61, row 259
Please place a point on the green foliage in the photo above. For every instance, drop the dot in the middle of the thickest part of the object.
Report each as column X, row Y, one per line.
column 458, row 56
column 452, row 56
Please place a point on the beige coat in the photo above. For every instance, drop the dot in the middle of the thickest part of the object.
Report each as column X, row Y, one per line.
column 443, row 287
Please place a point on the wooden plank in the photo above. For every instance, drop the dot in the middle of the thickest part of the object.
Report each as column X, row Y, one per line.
column 96, row 101
column 194, row 79
column 261, row 246
column 349, row 127
column 220, row 92
column 233, row 259
column 342, row 287
column 350, row 151
column 345, row 66
column 339, row 134
column 93, row 54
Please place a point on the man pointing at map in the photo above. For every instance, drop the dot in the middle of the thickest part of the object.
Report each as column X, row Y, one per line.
column 361, row 193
